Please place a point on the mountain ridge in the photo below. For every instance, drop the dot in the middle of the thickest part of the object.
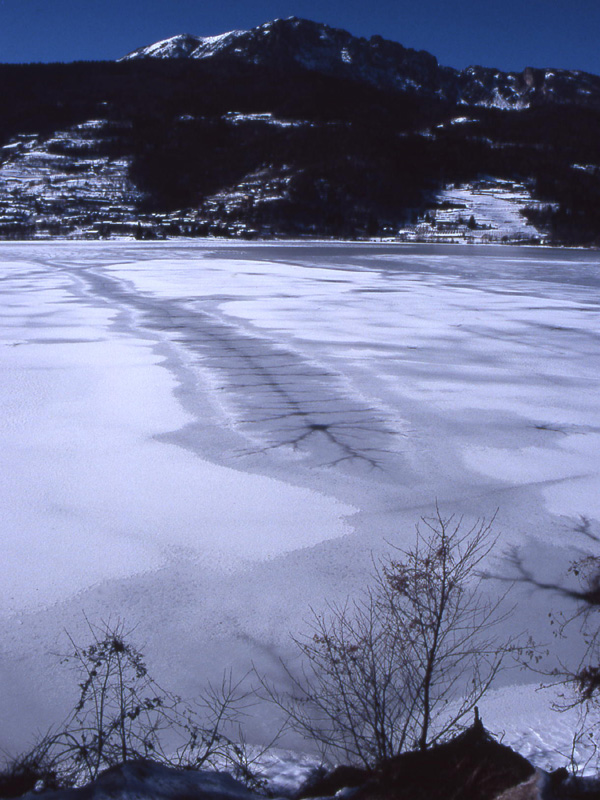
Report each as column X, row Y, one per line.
column 298, row 130
column 382, row 63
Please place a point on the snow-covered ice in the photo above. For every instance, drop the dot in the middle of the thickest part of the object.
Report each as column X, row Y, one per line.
column 206, row 439
column 89, row 492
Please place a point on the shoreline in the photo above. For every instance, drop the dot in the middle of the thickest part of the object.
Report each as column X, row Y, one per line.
column 258, row 242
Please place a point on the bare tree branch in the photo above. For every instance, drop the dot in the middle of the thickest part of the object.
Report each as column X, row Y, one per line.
column 404, row 664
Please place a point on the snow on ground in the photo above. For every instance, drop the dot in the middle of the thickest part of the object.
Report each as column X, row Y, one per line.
column 208, row 438
column 145, row 779
column 267, row 118
column 495, row 203
column 485, row 211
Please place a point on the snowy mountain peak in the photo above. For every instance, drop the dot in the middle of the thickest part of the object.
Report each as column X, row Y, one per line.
column 295, row 42
column 183, row 46
column 310, row 45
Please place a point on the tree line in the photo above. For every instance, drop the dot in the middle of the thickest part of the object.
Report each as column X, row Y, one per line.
column 360, row 159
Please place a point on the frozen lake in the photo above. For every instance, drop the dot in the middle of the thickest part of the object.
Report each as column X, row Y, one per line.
column 205, row 439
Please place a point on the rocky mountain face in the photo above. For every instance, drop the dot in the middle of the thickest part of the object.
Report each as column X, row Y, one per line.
column 381, row 63
column 288, row 43
column 298, row 129
column 481, row 86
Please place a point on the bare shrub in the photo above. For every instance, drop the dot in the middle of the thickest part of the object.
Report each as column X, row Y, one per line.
column 122, row 713
column 580, row 681
column 577, row 677
column 402, row 666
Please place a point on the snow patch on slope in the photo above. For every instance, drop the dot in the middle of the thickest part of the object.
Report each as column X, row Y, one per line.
column 487, row 210
column 267, row 118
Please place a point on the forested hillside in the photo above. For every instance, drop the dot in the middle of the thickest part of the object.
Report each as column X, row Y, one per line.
column 228, row 146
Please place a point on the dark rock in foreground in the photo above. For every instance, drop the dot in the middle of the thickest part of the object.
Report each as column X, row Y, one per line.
column 473, row 766
column 143, row 779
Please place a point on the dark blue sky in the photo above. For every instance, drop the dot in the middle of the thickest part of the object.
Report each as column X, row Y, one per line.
column 508, row 34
